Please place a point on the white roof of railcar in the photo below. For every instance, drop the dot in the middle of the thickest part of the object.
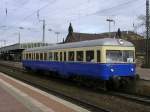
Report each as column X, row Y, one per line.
column 89, row 43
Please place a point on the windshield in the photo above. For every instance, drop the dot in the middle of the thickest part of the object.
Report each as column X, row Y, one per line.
column 118, row 56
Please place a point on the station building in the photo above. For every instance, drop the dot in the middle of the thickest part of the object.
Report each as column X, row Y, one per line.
column 13, row 52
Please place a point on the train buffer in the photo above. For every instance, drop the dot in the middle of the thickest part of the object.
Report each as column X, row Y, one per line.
column 16, row 96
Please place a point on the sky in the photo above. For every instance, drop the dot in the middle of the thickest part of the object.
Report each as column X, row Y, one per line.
column 86, row 16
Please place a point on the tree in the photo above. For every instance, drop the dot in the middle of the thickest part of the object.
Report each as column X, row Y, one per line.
column 141, row 24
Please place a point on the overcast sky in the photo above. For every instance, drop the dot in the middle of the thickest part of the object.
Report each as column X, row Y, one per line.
column 86, row 16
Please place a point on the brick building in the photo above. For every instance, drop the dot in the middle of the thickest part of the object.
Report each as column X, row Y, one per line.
column 136, row 39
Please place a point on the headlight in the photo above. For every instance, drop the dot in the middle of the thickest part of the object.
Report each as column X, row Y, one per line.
column 132, row 69
column 112, row 70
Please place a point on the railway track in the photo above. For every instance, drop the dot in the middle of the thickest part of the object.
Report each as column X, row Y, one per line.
column 138, row 99
column 30, row 79
column 79, row 102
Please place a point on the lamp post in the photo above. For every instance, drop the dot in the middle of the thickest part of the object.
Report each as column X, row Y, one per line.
column 110, row 20
column 43, row 37
column 57, row 33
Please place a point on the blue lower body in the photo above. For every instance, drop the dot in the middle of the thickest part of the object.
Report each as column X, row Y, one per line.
column 96, row 70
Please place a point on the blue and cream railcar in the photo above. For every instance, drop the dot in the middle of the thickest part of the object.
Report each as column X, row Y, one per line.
column 103, row 59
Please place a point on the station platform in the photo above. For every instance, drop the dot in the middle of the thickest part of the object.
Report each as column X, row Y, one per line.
column 16, row 96
column 144, row 73
column 11, row 63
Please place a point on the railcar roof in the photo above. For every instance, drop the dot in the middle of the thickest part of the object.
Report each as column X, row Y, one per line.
column 89, row 43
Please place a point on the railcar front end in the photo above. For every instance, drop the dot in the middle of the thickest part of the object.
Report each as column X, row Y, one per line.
column 120, row 65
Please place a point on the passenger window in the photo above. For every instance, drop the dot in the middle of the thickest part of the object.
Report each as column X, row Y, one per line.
column 32, row 56
column 64, row 56
column 90, row 56
column 98, row 56
column 71, row 56
column 80, row 56
column 50, row 56
column 45, row 56
column 60, row 56
column 56, row 56
column 41, row 56
column 27, row 56
column 37, row 56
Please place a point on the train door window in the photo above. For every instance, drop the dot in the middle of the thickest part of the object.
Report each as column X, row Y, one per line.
column 37, row 56
column 56, row 56
column 45, row 56
column 90, row 56
column 60, row 56
column 50, row 56
column 98, row 56
column 79, row 56
column 34, row 56
column 64, row 56
column 71, row 56
column 41, row 56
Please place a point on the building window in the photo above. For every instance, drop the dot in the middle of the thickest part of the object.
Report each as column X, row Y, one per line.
column 80, row 56
column 71, row 56
column 64, row 56
column 60, row 56
column 98, row 56
column 90, row 56
column 56, row 56
column 50, row 56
